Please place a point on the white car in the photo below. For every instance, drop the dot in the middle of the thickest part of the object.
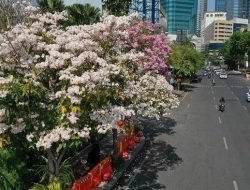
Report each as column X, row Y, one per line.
column 223, row 75
column 217, row 71
column 248, row 96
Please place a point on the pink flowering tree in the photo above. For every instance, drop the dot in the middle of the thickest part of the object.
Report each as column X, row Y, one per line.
column 60, row 87
column 142, row 37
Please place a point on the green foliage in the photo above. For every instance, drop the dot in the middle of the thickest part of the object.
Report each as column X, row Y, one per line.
column 185, row 61
column 80, row 14
column 9, row 170
column 117, row 7
column 62, row 181
column 236, row 48
column 51, row 5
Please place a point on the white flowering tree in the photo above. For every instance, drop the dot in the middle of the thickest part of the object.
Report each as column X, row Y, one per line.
column 60, row 86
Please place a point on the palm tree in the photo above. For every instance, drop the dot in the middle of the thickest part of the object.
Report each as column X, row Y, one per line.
column 80, row 14
column 118, row 7
column 51, row 5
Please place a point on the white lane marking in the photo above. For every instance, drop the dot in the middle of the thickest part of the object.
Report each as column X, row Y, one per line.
column 235, row 185
column 245, row 108
column 184, row 97
column 219, row 120
column 188, row 106
column 225, row 143
column 215, row 106
column 214, row 98
column 237, row 86
column 213, row 92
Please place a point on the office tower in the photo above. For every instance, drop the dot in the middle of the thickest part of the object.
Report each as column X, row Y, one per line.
column 238, row 9
column 202, row 9
column 220, row 5
column 181, row 15
column 149, row 9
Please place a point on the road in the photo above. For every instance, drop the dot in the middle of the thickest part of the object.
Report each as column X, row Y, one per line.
column 200, row 148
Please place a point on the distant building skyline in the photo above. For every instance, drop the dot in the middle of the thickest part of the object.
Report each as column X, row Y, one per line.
column 238, row 9
column 181, row 15
column 202, row 9
column 220, row 5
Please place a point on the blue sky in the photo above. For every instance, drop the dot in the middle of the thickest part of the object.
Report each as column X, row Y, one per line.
column 96, row 3
column 211, row 5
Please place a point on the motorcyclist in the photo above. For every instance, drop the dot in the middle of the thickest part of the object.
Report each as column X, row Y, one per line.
column 222, row 104
column 222, row 100
column 213, row 81
column 209, row 74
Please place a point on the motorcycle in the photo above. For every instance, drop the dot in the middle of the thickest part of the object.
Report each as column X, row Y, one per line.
column 222, row 107
column 213, row 82
column 209, row 75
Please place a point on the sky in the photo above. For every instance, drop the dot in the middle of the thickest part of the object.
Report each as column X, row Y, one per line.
column 211, row 5
column 97, row 3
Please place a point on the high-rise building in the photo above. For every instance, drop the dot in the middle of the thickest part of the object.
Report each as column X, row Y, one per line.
column 149, row 9
column 208, row 19
column 181, row 15
column 219, row 31
column 238, row 9
column 202, row 9
column 220, row 5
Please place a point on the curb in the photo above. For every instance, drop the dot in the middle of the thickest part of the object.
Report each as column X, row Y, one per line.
column 178, row 93
column 118, row 173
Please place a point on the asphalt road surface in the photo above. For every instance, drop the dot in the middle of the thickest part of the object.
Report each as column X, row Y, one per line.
column 200, row 148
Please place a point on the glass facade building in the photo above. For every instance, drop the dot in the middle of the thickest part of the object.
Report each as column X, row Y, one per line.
column 148, row 9
column 181, row 15
column 202, row 9
column 220, row 5
column 238, row 9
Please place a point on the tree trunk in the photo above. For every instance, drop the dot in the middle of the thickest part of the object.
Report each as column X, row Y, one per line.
column 94, row 154
column 54, row 160
column 52, row 166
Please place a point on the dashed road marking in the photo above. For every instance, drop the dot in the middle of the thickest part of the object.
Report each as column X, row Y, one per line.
column 235, row 185
column 245, row 108
column 214, row 98
column 215, row 106
column 237, row 86
column 225, row 143
column 219, row 120
column 188, row 106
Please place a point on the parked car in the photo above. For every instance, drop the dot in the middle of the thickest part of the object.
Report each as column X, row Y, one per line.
column 196, row 78
column 217, row 71
column 205, row 73
column 248, row 96
column 223, row 75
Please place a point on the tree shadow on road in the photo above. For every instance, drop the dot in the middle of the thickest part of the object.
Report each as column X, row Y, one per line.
column 161, row 157
column 154, row 128
column 155, row 157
